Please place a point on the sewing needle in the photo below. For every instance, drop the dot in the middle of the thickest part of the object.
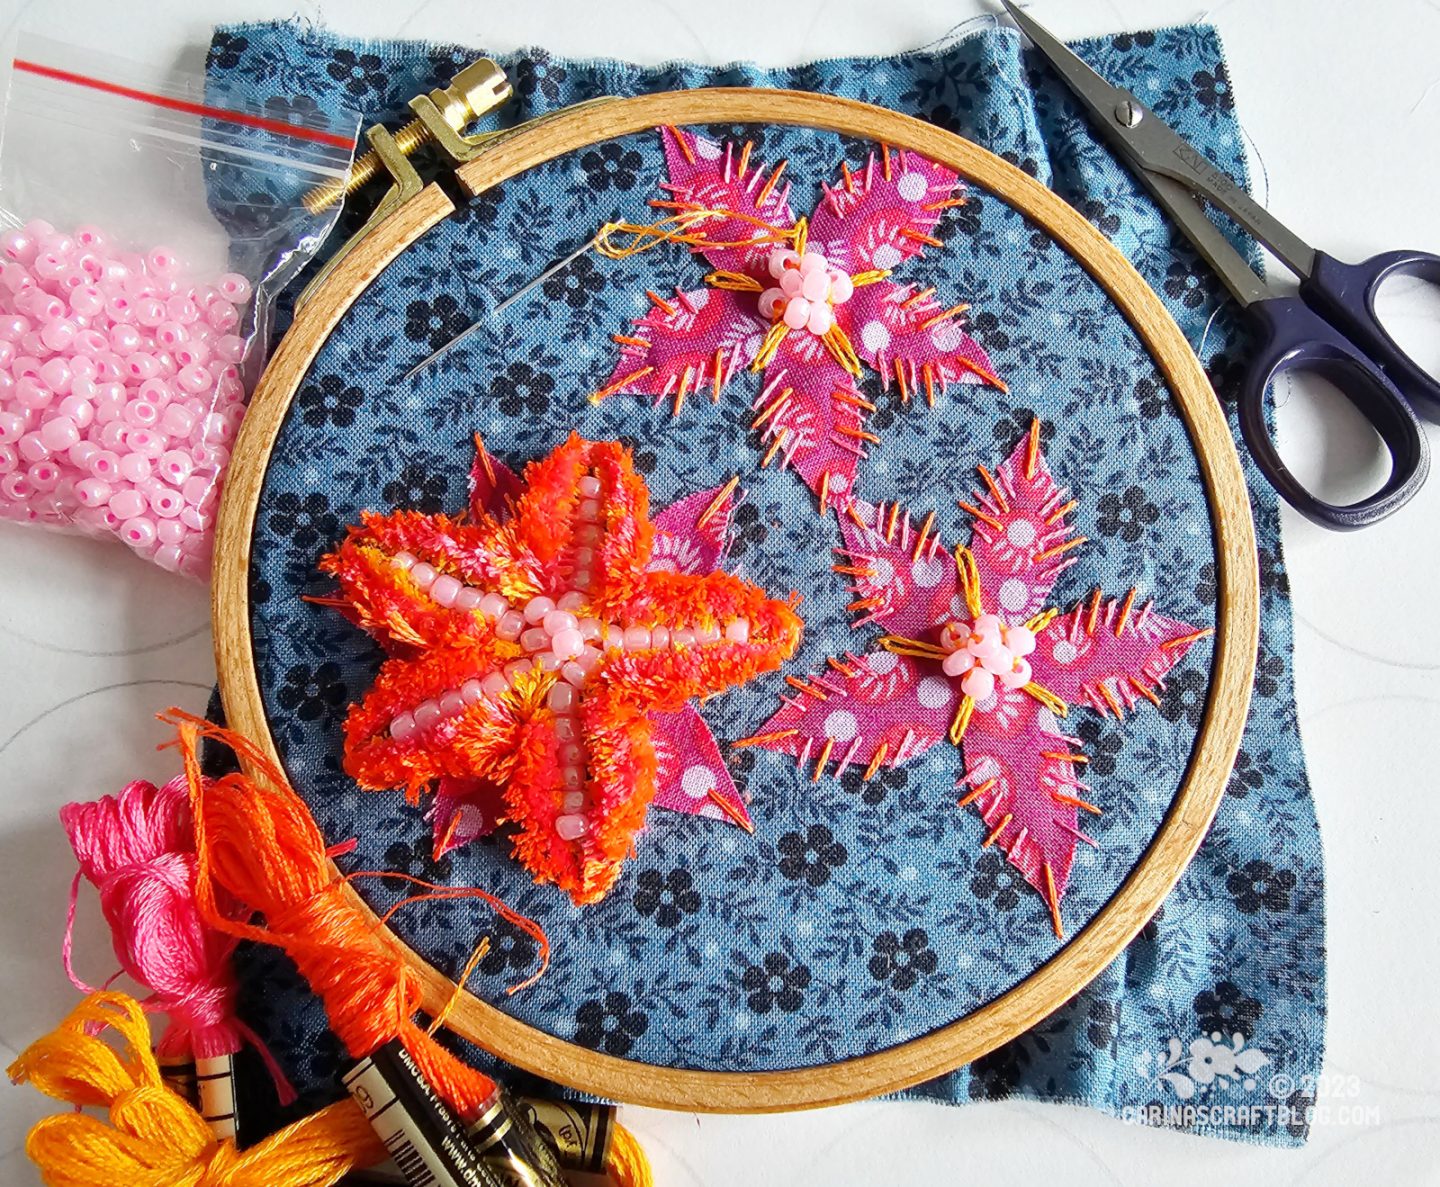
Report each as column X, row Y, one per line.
column 560, row 266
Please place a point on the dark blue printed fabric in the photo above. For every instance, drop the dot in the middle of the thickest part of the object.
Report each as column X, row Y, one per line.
column 860, row 915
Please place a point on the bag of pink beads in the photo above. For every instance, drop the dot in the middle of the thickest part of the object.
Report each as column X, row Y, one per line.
column 131, row 328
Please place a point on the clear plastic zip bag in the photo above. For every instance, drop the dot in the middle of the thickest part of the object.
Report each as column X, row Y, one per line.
column 132, row 324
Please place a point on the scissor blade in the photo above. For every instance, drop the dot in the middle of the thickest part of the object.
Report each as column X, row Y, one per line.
column 1151, row 146
column 1217, row 251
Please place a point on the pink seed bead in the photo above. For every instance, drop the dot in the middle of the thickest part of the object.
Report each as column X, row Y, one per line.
column 557, row 621
column 33, row 344
column 55, row 374
column 140, row 366
column 192, row 353
column 222, row 317
column 138, row 532
column 149, row 312
column 170, row 531
column 32, row 393
column 230, row 348
column 81, row 453
column 45, row 476
column 217, row 430
column 32, row 448
column 162, row 261
column 170, row 334
column 128, row 503
column 125, row 339
column 135, row 467
column 175, row 466
column 146, row 442
column 12, row 427
column 217, row 457
column 88, row 235
column 195, row 379
column 197, row 490
column 177, row 421
column 169, row 557
column 445, row 589
column 156, row 391
column 562, row 698
column 16, row 487
column 14, row 327
column 197, row 519
column 141, row 413
column 182, row 309
column 9, row 459
column 48, row 265
column 59, row 433
column 567, row 643
column 93, row 492
column 105, row 465
column 87, row 300
column 19, row 246
column 234, row 287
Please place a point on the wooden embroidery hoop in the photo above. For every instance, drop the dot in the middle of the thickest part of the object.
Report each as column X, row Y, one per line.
column 1086, row 953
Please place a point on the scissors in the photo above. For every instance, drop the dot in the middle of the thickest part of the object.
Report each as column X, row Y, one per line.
column 1329, row 327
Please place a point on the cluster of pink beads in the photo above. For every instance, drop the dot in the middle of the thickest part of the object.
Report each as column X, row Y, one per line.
column 982, row 652
column 807, row 292
column 119, row 391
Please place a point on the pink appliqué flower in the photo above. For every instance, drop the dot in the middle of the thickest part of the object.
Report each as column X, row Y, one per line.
column 810, row 334
column 1014, row 665
column 692, row 535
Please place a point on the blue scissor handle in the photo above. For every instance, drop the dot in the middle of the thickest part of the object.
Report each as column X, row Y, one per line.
column 1292, row 336
column 1345, row 294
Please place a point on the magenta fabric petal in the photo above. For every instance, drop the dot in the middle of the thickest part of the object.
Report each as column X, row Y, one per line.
column 861, row 222
column 700, row 327
column 815, row 397
column 682, row 543
column 1081, row 656
column 691, row 775
column 915, row 596
column 463, row 810
column 889, row 333
column 706, row 174
column 1015, row 744
column 885, row 700
column 492, row 485
column 1016, row 575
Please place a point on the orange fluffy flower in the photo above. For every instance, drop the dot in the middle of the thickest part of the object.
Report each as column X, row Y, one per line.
column 526, row 652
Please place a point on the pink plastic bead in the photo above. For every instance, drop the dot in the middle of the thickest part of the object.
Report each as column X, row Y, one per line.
column 92, row 237
column 9, row 459
column 113, row 434
column 146, row 442
column 182, row 309
column 175, row 466
column 16, row 487
column 234, row 287
column 197, row 489
column 162, row 260
column 170, row 334
column 194, row 379
column 177, row 420
column 12, row 427
column 135, row 467
column 14, row 327
column 192, row 353
column 171, row 531
column 127, row 503
column 138, row 532
column 32, row 448
column 140, row 366
column 32, row 393
column 59, row 433
column 105, row 465
column 222, row 317
column 19, row 246
column 196, row 518
column 44, row 476
column 164, row 501
column 169, row 557
column 93, row 492
column 125, row 339
column 55, row 374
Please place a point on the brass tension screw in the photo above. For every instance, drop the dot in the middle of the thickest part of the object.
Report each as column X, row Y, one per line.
column 471, row 93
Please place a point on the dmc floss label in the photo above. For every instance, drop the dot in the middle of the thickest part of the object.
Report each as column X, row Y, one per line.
column 215, row 1094
column 426, row 1141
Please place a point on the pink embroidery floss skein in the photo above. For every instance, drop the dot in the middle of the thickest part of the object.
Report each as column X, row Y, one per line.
column 137, row 849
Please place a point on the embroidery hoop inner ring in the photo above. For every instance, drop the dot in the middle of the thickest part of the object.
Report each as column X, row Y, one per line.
column 1089, row 950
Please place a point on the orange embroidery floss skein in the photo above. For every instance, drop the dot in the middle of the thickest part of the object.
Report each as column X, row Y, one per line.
column 153, row 1135
column 256, row 840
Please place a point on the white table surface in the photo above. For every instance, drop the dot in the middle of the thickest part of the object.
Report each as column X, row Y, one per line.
column 93, row 641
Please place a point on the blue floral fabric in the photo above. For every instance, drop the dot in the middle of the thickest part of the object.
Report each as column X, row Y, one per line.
column 860, row 915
